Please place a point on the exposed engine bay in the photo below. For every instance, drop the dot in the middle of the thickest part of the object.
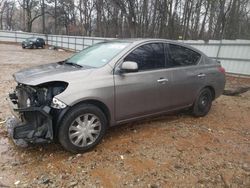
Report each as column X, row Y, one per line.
column 35, row 112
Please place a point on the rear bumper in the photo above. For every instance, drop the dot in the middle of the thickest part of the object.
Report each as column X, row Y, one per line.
column 31, row 124
column 219, row 86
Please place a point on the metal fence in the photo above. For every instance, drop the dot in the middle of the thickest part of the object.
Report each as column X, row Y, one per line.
column 233, row 54
column 15, row 36
column 76, row 43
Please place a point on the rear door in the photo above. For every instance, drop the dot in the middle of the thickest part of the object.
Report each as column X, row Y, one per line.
column 143, row 92
column 188, row 77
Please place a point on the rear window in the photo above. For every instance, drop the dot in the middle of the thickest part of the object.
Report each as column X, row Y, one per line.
column 182, row 56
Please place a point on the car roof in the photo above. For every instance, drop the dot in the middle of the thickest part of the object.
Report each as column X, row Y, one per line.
column 145, row 40
column 138, row 41
column 135, row 40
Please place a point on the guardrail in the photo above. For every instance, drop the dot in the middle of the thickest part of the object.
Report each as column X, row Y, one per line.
column 233, row 54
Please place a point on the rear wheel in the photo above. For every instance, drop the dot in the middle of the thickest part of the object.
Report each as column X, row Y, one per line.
column 202, row 103
column 82, row 128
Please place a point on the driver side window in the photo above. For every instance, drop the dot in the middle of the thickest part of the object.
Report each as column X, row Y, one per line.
column 148, row 57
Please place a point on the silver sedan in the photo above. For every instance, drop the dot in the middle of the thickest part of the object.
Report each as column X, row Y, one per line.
column 111, row 83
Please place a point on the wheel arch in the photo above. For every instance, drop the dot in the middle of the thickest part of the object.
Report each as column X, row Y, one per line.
column 103, row 107
column 99, row 104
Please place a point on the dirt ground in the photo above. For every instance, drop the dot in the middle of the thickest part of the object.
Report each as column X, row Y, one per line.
column 168, row 151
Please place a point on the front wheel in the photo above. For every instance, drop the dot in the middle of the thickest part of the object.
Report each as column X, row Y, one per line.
column 82, row 128
column 202, row 103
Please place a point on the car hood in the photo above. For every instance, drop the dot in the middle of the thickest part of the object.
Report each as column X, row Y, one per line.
column 48, row 73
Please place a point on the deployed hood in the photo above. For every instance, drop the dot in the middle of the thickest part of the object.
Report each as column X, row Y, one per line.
column 48, row 73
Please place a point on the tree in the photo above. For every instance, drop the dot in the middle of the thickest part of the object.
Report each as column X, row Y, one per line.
column 173, row 19
column 32, row 12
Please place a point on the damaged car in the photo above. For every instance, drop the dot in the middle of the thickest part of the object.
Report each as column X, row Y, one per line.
column 75, row 101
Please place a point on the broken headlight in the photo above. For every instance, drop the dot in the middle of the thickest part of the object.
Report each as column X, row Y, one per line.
column 28, row 102
column 56, row 103
column 41, row 95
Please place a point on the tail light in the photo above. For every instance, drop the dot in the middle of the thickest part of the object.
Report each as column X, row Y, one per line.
column 222, row 70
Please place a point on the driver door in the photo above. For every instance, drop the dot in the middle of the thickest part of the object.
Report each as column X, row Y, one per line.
column 143, row 92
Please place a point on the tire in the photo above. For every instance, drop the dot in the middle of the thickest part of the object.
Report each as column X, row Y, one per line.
column 69, row 132
column 202, row 103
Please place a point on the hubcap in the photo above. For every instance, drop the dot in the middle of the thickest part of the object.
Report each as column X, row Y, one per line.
column 84, row 130
column 203, row 102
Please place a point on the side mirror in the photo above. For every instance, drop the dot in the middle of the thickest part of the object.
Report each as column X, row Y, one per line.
column 129, row 66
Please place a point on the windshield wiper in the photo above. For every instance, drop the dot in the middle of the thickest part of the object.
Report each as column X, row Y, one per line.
column 74, row 64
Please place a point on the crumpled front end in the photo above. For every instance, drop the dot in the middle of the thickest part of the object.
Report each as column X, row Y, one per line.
column 33, row 113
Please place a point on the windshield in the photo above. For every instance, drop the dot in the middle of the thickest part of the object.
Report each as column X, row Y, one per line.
column 98, row 54
column 30, row 39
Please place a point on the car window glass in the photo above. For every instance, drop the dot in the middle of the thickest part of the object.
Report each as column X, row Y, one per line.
column 99, row 54
column 148, row 57
column 181, row 56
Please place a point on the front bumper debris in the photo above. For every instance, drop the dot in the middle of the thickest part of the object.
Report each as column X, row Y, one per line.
column 30, row 124
column 11, row 123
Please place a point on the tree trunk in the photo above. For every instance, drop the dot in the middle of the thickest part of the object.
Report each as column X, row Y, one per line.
column 204, row 22
column 43, row 16
column 24, row 17
column 55, row 16
column 211, row 18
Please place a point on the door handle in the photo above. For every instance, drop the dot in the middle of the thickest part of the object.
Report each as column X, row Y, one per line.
column 162, row 80
column 201, row 75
